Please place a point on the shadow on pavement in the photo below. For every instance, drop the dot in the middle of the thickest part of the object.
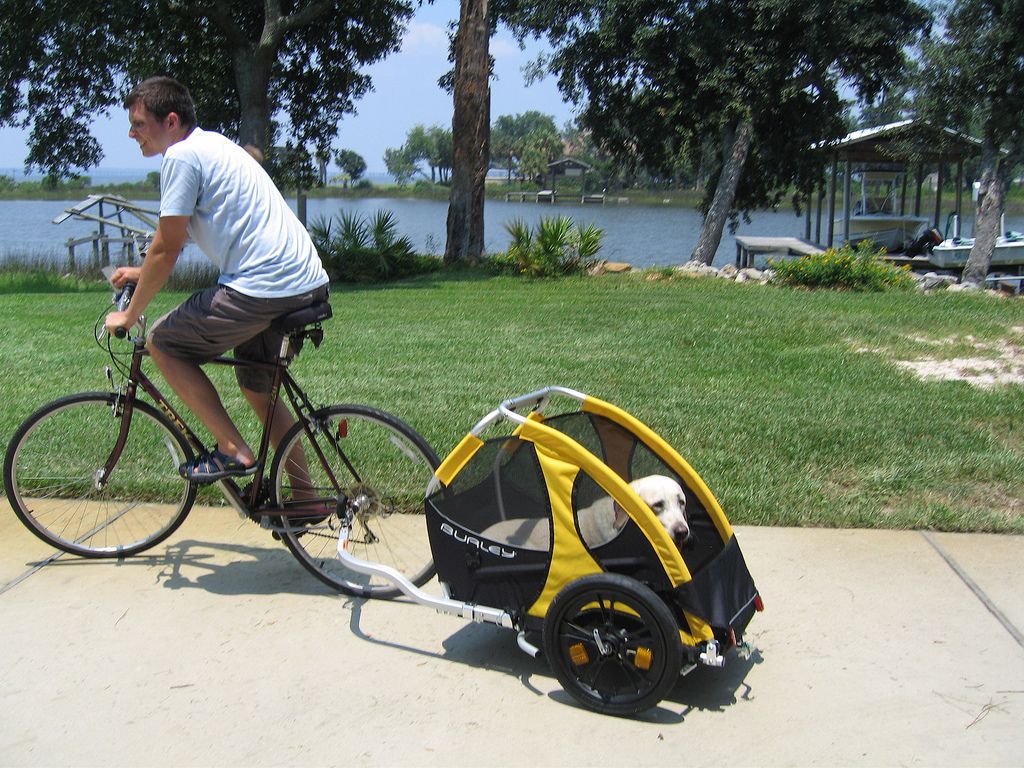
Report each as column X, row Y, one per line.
column 192, row 564
column 486, row 646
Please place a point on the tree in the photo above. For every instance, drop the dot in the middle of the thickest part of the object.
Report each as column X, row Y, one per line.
column 442, row 147
column 351, row 164
column 61, row 63
column 434, row 147
column 657, row 78
column 513, row 137
column 400, row 165
column 470, row 133
column 973, row 79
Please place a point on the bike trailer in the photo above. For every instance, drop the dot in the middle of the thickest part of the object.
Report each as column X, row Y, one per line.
column 621, row 607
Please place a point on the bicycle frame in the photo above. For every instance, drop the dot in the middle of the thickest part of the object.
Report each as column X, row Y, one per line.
column 247, row 503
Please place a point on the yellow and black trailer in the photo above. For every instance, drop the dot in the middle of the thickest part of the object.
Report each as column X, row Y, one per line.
column 621, row 608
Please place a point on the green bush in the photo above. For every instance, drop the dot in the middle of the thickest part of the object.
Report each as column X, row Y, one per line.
column 556, row 247
column 357, row 249
column 854, row 269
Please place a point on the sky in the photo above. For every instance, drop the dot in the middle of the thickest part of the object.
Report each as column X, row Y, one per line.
column 405, row 94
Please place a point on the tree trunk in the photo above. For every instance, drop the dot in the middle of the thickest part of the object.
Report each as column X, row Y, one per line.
column 470, row 134
column 991, row 203
column 735, row 148
column 253, row 80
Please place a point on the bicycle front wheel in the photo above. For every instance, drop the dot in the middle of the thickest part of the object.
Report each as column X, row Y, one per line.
column 368, row 463
column 55, row 478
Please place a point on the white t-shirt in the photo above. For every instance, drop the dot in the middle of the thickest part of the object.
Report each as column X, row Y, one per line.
column 238, row 217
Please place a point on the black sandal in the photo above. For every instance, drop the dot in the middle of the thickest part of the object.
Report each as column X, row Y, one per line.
column 212, row 466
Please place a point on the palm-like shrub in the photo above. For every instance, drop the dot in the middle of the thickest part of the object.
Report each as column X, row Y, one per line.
column 556, row 247
column 358, row 249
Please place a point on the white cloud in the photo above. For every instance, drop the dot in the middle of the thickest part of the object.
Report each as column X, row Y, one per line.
column 423, row 39
column 502, row 47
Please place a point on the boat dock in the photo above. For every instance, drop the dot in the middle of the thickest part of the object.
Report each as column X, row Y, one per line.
column 551, row 196
column 747, row 248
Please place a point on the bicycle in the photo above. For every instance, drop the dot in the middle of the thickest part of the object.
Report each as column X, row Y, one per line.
column 96, row 474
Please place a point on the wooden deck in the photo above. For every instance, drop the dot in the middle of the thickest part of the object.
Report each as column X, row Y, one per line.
column 747, row 248
column 551, row 196
column 544, row 196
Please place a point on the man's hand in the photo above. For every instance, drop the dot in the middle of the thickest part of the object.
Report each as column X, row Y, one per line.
column 124, row 275
column 117, row 320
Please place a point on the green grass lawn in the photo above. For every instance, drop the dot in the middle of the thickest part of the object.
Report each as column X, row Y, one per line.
column 788, row 403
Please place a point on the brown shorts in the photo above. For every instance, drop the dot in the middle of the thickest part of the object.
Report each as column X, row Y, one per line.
column 214, row 320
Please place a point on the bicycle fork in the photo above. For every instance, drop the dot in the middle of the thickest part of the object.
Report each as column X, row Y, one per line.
column 120, row 410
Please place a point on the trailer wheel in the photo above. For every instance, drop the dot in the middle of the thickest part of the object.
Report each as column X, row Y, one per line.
column 612, row 643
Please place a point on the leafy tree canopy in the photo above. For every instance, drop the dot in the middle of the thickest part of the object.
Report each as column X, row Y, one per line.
column 351, row 164
column 972, row 77
column 431, row 145
column 526, row 142
column 400, row 165
column 245, row 62
column 656, row 78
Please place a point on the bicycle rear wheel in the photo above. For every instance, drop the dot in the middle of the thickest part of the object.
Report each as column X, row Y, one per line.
column 372, row 463
column 53, row 477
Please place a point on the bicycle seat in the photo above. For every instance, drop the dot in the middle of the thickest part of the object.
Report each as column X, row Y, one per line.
column 302, row 324
column 300, row 318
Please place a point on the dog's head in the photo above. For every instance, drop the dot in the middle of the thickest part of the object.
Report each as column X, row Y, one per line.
column 666, row 499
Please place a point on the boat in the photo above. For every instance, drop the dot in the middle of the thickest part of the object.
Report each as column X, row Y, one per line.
column 954, row 252
column 875, row 215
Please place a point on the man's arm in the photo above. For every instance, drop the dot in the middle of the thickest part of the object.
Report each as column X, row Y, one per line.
column 171, row 235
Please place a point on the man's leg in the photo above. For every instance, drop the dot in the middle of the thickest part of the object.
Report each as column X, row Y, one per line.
column 196, row 390
column 206, row 325
column 281, row 421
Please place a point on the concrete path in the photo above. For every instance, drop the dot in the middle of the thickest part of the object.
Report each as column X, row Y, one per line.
column 875, row 648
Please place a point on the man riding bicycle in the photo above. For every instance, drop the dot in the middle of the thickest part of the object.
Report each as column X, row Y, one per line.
column 213, row 191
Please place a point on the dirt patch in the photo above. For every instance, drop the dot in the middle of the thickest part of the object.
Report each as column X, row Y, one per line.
column 975, row 507
column 997, row 363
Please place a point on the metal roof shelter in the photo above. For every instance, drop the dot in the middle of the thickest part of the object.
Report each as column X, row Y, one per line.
column 569, row 167
column 895, row 146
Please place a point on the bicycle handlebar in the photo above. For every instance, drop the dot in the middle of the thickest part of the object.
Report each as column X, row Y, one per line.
column 123, row 299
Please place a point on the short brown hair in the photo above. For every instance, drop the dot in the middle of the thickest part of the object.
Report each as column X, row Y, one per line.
column 161, row 96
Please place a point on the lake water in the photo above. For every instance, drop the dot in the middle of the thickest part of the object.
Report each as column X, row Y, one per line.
column 643, row 235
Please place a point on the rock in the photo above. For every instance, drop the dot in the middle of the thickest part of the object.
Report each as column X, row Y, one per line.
column 749, row 273
column 617, row 267
column 697, row 268
column 932, row 281
column 609, row 267
column 729, row 271
column 964, row 287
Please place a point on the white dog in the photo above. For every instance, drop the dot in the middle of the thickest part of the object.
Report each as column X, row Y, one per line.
column 667, row 500
column 602, row 521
